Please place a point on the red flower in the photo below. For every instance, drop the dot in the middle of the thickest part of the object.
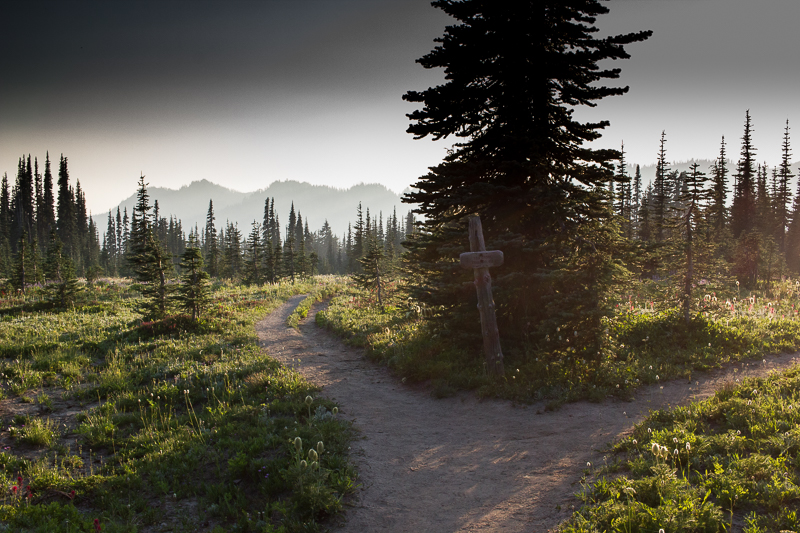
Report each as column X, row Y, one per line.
column 14, row 489
column 19, row 480
column 97, row 526
column 72, row 495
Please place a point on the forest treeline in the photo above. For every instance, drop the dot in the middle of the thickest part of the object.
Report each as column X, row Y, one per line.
column 36, row 218
column 753, row 236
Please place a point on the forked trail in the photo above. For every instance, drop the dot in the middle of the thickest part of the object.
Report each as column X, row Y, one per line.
column 460, row 464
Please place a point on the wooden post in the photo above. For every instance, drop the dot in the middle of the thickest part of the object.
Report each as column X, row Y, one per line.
column 480, row 261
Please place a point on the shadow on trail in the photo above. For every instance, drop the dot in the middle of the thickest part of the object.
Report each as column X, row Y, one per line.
column 460, row 464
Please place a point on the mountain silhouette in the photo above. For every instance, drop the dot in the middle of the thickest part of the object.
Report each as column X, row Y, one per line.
column 316, row 203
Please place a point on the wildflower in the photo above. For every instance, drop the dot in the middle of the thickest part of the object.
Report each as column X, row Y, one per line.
column 298, row 444
column 320, row 447
column 335, row 411
column 635, row 442
column 97, row 526
column 675, row 440
column 309, row 400
column 688, row 447
column 588, row 464
column 655, row 448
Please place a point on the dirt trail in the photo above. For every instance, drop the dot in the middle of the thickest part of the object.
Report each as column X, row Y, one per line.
column 460, row 464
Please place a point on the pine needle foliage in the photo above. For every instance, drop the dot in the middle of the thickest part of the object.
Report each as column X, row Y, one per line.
column 514, row 73
column 193, row 292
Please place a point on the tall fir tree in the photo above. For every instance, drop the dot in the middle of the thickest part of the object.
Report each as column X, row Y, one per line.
column 717, row 210
column 743, row 210
column 515, row 71
column 193, row 294
column 211, row 244
column 65, row 210
column 783, row 196
column 661, row 191
column 49, row 216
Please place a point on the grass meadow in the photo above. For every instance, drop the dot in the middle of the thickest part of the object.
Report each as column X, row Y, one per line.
column 114, row 424
column 644, row 341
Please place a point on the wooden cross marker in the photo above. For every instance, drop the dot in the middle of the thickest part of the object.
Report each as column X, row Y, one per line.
column 480, row 261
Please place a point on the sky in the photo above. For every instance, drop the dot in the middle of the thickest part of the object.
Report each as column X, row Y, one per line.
column 244, row 93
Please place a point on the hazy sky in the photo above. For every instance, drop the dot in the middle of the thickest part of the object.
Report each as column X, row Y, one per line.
column 246, row 93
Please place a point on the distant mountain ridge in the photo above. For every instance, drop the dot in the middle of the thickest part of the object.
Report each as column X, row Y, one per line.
column 316, row 203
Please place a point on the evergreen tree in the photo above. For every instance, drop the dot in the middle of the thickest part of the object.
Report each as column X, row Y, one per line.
column 21, row 276
column 193, row 294
column 661, row 192
column 783, row 196
column 212, row 248
column 689, row 217
column 289, row 256
column 357, row 250
column 372, row 275
column 253, row 268
column 40, row 217
column 764, row 222
column 743, row 210
column 65, row 210
column 514, row 74
column 149, row 261
column 232, row 253
column 717, row 209
column 152, row 272
column 64, row 288
column 48, row 221
column 120, row 239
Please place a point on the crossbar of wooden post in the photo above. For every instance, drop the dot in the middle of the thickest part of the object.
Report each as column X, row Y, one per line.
column 480, row 260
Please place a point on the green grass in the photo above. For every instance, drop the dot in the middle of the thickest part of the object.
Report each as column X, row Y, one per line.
column 189, row 425
column 732, row 459
column 645, row 341
column 318, row 294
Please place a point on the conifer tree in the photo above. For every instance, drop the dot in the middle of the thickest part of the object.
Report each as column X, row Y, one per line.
column 152, row 271
column 783, row 196
column 514, row 73
column 120, row 239
column 689, row 217
column 212, row 247
column 149, row 261
column 21, row 272
column 65, row 209
column 193, row 294
column 717, row 210
column 743, row 210
column 40, row 217
column 373, row 272
column 764, row 222
column 661, row 192
column 49, row 216
column 253, row 268
column 64, row 288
